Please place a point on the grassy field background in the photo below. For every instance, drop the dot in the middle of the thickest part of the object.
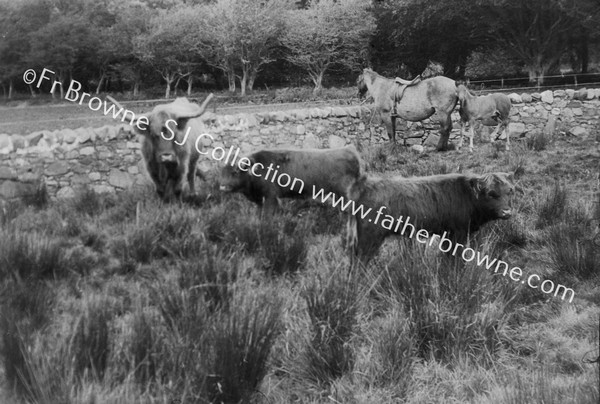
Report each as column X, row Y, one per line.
column 43, row 113
column 124, row 299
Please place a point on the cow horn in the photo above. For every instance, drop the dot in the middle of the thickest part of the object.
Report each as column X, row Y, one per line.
column 111, row 99
column 205, row 103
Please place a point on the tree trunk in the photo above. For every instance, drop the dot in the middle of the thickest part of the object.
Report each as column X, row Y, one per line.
column 190, row 80
column 231, row 81
column 11, row 88
column 177, row 85
column 244, row 81
column 231, row 76
column 252, row 78
column 100, row 83
column 169, row 78
column 33, row 94
column 136, row 88
column 584, row 55
column 317, row 79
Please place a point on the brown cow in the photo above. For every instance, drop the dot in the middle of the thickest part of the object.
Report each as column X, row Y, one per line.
column 267, row 175
column 169, row 145
column 452, row 204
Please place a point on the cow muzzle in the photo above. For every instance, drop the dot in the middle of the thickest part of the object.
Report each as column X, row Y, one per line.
column 505, row 214
column 224, row 188
column 168, row 158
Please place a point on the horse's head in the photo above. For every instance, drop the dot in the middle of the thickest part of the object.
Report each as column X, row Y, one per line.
column 461, row 90
column 362, row 86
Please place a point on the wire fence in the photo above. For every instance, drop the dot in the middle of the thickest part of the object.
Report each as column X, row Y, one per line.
column 551, row 82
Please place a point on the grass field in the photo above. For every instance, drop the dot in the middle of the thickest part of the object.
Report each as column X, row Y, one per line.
column 42, row 113
column 127, row 300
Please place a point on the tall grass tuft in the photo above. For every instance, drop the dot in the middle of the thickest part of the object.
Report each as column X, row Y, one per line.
column 455, row 308
column 25, row 309
column 39, row 199
column 242, row 338
column 284, row 244
column 538, row 141
column 573, row 249
column 553, row 207
column 87, row 202
column 210, row 277
column 89, row 345
column 29, row 255
column 394, row 349
column 332, row 304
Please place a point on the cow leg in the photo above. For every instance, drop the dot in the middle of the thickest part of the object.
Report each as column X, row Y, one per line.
column 271, row 205
column 191, row 176
column 154, row 170
column 182, row 177
column 445, row 128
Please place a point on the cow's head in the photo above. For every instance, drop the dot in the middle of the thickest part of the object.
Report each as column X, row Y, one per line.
column 165, row 129
column 493, row 194
column 237, row 178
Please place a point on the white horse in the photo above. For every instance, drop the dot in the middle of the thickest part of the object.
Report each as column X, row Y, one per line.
column 490, row 110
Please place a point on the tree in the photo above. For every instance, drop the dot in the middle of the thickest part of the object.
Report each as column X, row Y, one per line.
column 242, row 35
column 17, row 23
column 132, row 23
column 537, row 31
column 413, row 32
column 328, row 33
column 61, row 44
column 165, row 46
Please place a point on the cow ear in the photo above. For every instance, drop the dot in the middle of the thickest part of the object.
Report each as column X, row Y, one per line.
column 477, row 186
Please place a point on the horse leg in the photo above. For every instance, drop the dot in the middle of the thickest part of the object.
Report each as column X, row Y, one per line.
column 471, row 136
column 507, row 133
column 445, row 128
column 390, row 125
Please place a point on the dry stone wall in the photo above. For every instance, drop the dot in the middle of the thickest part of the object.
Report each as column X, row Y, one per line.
column 108, row 159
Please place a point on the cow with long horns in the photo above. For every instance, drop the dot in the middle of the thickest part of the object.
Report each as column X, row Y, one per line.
column 168, row 145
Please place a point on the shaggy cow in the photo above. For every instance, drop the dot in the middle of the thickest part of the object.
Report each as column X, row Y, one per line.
column 267, row 175
column 457, row 204
column 168, row 145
